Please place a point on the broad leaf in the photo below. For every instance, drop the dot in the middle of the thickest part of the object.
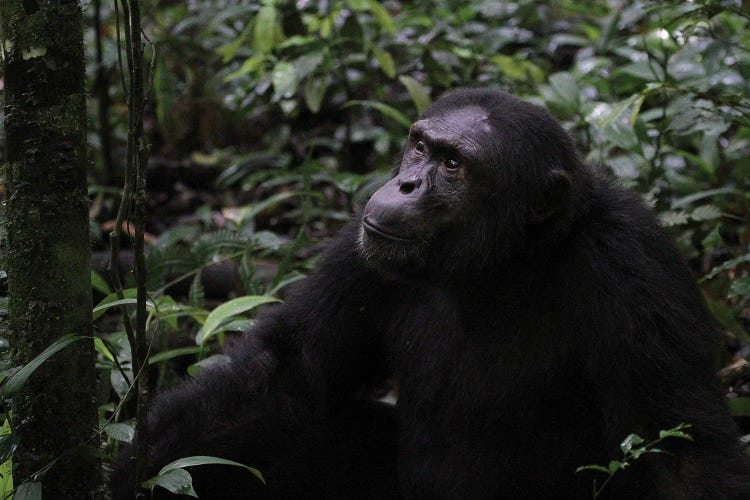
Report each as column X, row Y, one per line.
column 228, row 310
column 388, row 111
column 29, row 491
column 419, row 94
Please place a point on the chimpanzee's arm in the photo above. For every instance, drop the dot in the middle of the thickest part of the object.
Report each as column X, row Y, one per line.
column 284, row 404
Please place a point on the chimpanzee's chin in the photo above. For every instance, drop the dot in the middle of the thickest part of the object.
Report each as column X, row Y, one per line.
column 391, row 258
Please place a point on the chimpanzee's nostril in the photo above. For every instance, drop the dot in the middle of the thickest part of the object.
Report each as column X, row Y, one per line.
column 406, row 187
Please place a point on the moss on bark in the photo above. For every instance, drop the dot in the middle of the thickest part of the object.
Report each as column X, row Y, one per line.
column 48, row 256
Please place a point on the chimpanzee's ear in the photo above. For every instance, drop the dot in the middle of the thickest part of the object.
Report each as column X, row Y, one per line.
column 555, row 195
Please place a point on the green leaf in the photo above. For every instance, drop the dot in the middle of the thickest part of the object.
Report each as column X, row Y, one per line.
column 99, row 310
column 259, row 207
column 725, row 315
column 713, row 239
column 288, row 280
column 207, row 460
column 228, row 310
column 173, row 353
column 629, row 442
column 178, row 481
column 172, row 312
column 673, row 433
column 29, row 491
column 618, row 109
column 15, row 382
column 264, row 28
column 249, row 66
column 644, row 70
column 315, row 89
column 385, row 60
column 516, row 69
column 284, row 79
column 622, row 135
column 6, row 467
column 417, row 91
column 99, row 284
column 388, row 111
column 100, row 346
column 599, row 468
column 381, row 16
column 727, row 265
column 297, row 41
column 227, row 52
column 8, row 444
column 670, row 218
column 307, row 64
column 238, row 324
column 705, row 212
column 615, row 465
column 120, row 432
column 739, row 288
column 326, row 26
column 687, row 200
column 566, row 88
column 215, row 360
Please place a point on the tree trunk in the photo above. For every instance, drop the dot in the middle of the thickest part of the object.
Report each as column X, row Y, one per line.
column 49, row 258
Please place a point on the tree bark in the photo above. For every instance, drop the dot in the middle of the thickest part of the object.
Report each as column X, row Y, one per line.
column 49, row 257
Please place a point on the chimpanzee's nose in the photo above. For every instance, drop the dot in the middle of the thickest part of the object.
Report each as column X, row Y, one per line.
column 408, row 186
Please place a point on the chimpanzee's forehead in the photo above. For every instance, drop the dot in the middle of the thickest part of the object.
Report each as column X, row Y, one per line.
column 463, row 119
column 464, row 128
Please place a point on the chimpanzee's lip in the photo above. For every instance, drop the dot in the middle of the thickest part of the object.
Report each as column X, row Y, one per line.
column 377, row 230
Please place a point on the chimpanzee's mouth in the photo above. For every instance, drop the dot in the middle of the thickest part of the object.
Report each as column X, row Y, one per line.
column 379, row 231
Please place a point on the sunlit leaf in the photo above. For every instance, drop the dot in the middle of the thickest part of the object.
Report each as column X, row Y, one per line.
column 705, row 212
column 381, row 15
column 6, row 467
column 629, row 442
column 103, row 349
column 227, row 52
column 388, row 111
column 250, row 65
column 173, row 353
column 178, row 481
column 418, row 92
column 99, row 310
column 264, row 27
column 599, row 468
column 315, row 89
column 307, row 64
column 284, row 78
column 120, row 432
column 565, row 86
column 385, row 60
column 228, row 310
column 673, row 433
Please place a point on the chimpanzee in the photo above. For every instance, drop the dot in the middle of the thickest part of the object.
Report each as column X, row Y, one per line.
column 531, row 314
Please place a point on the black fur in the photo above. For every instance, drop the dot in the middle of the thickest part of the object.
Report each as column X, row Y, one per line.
column 537, row 327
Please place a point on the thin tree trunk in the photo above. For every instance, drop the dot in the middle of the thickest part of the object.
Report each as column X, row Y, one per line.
column 49, row 258
column 101, row 90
